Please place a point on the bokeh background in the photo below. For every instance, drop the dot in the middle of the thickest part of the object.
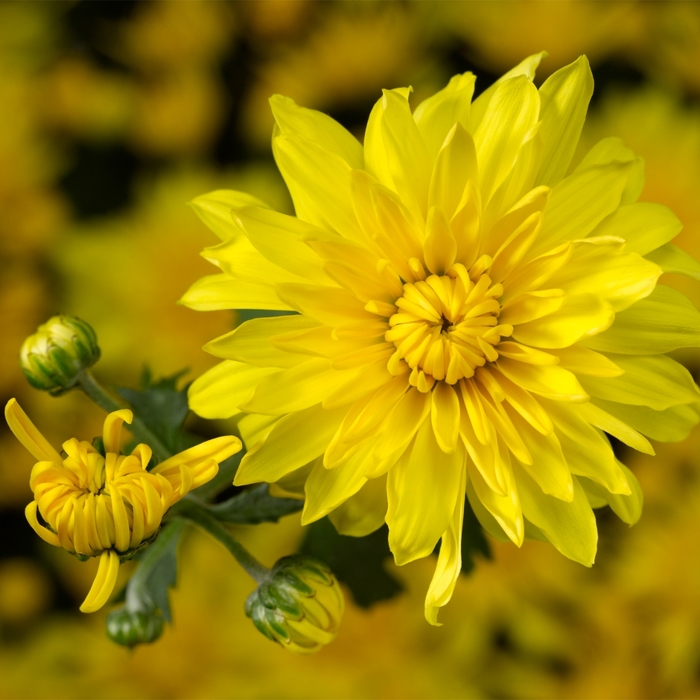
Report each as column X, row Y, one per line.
column 112, row 116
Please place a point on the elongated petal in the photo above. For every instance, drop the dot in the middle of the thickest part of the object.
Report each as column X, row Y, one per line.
column 220, row 391
column 281, row 239
column 30, row 513
column 580, row 202
column 422, row 501
column 296, row 388
column 250, row 342
column 317, row 127
column 655, row 381
column 217, row 449
column 216, row 292
column 330, row 305
column 364, row 512
column 214, row 209
column 570, row 527
column 445, row 416
column 319, row 182
column 297, row 439
column 565, row 96
column 438, row 114
column 104, row 582
column 671, row 425
column 666, row 320
column 645, row 226
column 511, row 113
column 449, row 562
column 549, row 381
column 112, row 429
column 670, row 258
column 28, row 434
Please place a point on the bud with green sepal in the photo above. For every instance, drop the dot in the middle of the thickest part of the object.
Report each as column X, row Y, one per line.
column 54, row 357
column 131, row 627
column 299, row 606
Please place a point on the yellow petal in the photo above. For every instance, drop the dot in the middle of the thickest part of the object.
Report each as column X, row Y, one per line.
column 581, row 360
column 104, row 582
column 409, row 162
column 565, row 96
column 440, row 245
column 421, row 500
column 112, row 429
column 548, row 381
column 449, row 562
column 505, row 509
column 218, row 449
column 627, row 508
column 438, row 114
column 319, row 183
column 511, row 113
column 326, row 489
column 216, row 292
column 28, row 434
column 445, row 416
column 531, row 306
column 280, row 238
column 43, row 532
column 670, row 258
column 570, row 527
column 645, row 226
column 655, row 381
column 297, row 388
column 580, row 202
column 214, row 209
column 580, row 316
column 295, row 440
column 362, row 513
column 672, row 425
column 454, row 166
column 329, row 305
column 599, row 418
column 220, row 391
column 317, row 127
column 526, row 67
column 250, row 342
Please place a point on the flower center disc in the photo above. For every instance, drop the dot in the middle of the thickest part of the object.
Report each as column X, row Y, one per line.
column 446, row 327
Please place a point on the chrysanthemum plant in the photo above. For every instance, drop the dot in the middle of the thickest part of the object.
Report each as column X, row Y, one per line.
column 445, row 338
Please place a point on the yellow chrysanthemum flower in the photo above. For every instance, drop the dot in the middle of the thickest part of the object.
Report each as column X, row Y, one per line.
column 472, row 317
column 107, row 505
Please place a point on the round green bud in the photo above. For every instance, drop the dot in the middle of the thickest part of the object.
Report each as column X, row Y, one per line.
column 129, row 628
column 299, row 606
column 53, row 357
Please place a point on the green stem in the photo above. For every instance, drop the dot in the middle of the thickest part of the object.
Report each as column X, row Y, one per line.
column 95, row 391
column 197, row 513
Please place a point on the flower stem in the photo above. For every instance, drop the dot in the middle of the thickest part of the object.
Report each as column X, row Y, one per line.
column 95, row 391
column 191, row 510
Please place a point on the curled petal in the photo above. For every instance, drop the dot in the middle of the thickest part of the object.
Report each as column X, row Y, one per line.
column 104, row 582
column 112, row 430
column 28, row 434
column 44, row 533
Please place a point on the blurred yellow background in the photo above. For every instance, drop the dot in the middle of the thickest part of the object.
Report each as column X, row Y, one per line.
column 114, row 115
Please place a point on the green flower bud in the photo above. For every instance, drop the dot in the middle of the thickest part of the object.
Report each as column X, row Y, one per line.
column 53, row 358
column 129, row 628
column 300, row 606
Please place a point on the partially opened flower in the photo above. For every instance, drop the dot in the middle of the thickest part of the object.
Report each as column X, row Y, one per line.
column 472, row 317
column 105, row 504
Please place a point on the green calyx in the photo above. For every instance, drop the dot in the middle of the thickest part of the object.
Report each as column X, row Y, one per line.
column 129, row 628
column 53, row 358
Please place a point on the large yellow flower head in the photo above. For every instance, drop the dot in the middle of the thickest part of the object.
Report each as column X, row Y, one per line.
column 105, row 504
column 473, row 317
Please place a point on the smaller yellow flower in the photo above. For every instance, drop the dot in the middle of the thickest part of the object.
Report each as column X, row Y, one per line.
column 107, row 506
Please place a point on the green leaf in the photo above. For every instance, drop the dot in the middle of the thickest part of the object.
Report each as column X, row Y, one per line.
column 162, row 407
column 474, row 541
column 356, row 561
column 255, row 505
column 147, row 589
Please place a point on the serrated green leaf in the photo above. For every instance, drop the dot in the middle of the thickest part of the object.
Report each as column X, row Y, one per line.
column 162, row 407
column 255, row 505
column 356, row 561
column 156, row 573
